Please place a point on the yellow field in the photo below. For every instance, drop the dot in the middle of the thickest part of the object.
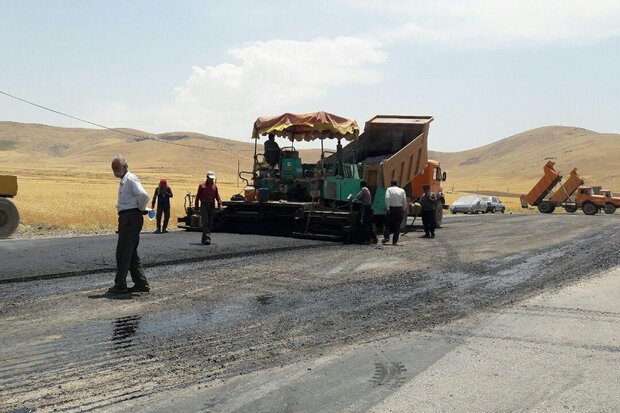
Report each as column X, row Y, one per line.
column 65, row 179
column 90, row 205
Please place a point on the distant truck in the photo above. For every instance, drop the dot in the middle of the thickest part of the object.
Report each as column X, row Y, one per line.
column 9, row 215
column 550, row 193
column 591, row 203
column 545, row 199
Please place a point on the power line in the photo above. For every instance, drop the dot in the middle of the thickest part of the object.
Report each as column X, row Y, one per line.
column 150, row 137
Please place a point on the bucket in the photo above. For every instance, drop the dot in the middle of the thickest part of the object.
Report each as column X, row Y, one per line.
column 263, row 195
column 250, row 194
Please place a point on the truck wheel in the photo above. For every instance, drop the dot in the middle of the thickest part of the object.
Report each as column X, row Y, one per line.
column 610, row 208
column 589, row 208
column 546, row 207
column 9, row 218
column 438, row 214
column 571, row 209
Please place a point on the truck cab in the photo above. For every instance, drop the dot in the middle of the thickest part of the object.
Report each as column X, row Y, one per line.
column 588, row 202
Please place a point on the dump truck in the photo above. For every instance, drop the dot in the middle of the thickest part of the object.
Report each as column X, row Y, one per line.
column 9, row 215
column 312, row 199
column 591, row 203
column 611, row 202
column 550, row 193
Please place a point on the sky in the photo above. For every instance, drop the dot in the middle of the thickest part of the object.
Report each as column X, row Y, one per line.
column 484, row 69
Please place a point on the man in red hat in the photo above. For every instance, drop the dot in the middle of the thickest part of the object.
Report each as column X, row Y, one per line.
column 162, row 195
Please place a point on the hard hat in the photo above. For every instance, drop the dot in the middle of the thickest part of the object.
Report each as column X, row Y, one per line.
column 211, row 175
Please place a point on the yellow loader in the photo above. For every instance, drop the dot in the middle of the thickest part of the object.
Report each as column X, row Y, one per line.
column 9, row 216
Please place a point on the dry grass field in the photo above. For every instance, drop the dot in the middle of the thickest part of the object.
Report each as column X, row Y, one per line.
column 65, row 179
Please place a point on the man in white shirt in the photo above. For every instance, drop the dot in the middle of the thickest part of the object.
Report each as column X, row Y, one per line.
column 395, row 207
column 132, row 203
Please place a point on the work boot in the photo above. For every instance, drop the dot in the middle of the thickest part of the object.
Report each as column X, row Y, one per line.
column 118, row 290
column 157, row 231
column 139, row 289
column 425, row 236
column 385, row 240
column 432, row 235
column 164, row 231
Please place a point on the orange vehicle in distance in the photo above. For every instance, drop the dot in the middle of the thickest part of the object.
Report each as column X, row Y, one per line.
column 591, row 203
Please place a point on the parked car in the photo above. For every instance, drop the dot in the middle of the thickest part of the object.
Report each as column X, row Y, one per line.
column 494, row 204
column 471, row 204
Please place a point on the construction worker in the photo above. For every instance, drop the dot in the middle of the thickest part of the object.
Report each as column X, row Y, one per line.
column 369, row 233
column 272, row 151
column 162, row 195
column 396, row 205
column 207, row 195
column 132, row 203
column 429, row 204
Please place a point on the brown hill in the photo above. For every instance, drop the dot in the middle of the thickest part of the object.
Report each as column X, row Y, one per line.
column 514, row 164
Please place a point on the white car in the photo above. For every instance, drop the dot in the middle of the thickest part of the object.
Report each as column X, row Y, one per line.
column 471, row 204
column 494, row 204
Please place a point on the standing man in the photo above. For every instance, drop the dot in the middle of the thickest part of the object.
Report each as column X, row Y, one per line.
column 396, row 205
column 369, row 235
column 207, row 196
column 429, row 203
column 162, row 195
column 132, row 202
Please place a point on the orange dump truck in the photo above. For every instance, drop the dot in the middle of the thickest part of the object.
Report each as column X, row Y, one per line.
column 591, row 203
column 545, row 198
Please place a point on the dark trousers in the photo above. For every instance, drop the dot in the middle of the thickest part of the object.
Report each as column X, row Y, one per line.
column 127, row 260
column 368, row 228
column 166, row 213
column 392, row 224
column 207, row 211
column 428, row 220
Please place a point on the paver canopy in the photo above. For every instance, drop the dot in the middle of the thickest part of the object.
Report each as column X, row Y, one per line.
column 307, row 126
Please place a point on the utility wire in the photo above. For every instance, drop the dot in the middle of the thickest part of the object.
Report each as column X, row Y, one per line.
column 151, row 137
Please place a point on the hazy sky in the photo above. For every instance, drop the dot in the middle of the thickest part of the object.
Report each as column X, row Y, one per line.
column 484, row 69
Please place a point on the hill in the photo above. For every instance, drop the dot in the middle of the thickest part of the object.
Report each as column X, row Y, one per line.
column 514, row 164
column 65, row 178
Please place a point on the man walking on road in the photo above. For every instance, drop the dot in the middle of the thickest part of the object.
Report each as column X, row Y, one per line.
column 429, row 204
column 396, row 205
column 132, row 202
column 162, row 195
column 207, row 196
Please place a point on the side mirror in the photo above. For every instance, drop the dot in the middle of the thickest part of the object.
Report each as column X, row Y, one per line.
column 444, row 176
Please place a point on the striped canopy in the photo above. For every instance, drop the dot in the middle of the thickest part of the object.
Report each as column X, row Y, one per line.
column 307, row 126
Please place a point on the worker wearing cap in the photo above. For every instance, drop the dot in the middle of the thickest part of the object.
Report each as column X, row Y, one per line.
column 162, row 195
column 132, row 203
column 396, row 205
column 429, row 204
column 207, row 196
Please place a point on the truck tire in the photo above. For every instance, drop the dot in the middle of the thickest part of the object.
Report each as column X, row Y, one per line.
column 9, row 218
column 589, row 208
column 546, row 207
column 570, row 208
column 610, row 208
column 438, row 214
